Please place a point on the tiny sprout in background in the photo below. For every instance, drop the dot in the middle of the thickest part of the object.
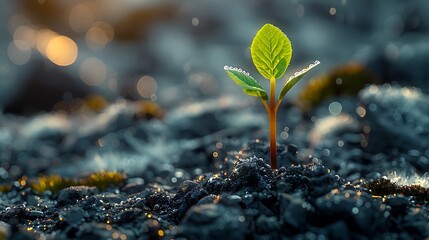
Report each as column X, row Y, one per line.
column 271, row 52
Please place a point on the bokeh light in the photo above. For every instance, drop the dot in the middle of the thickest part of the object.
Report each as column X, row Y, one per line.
column 43, row 38
column 99, row 35
column 335, row 108
column 62, row 51
column 19, row 52
column 16, row 21
column 26, row 34
column 93, row 71
column 147, row 86
column 81, row 18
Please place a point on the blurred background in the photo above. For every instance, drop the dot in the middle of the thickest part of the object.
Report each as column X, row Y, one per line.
column 62, row 60
column 60, row 55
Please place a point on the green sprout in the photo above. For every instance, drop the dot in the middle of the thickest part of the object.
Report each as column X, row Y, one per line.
column 271, row 52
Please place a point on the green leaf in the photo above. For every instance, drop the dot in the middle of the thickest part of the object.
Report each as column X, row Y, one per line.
column 295, row 78
column 261, row 95
column 271, row 51
column 248, row 83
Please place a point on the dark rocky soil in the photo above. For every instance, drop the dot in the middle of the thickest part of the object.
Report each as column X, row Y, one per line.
column 250, row 202
column 341, row 181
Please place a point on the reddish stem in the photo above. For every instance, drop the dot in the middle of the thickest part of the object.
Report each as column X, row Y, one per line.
column 272, row 115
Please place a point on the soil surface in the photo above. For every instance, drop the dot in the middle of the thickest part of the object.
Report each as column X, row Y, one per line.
column 203, row 172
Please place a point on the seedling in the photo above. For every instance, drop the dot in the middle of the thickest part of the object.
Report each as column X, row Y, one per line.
column 271, row 52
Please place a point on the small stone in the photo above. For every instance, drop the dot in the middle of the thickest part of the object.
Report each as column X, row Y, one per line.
column 71, row 195
column 231, row 199
column 128, row 215
column 187, row 186
column 132, row 188
column 206, row 200
column 134, row 185
column 111, row 197
column 213, row 221
column 35, row 214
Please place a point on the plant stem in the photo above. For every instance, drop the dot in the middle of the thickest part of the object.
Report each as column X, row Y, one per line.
column 272, row 115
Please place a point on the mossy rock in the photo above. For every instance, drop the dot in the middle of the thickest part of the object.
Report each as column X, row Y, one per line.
column 101, row 180
column 343, row 80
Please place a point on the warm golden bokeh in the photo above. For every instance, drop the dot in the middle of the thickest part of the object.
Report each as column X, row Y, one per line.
column 43, row 38
column 62, row 51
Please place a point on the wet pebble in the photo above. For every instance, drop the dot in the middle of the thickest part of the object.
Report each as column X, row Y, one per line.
column 128, row 215
column 212, row 221
column 35, row 214
column 134, row 186
column 73, row 194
